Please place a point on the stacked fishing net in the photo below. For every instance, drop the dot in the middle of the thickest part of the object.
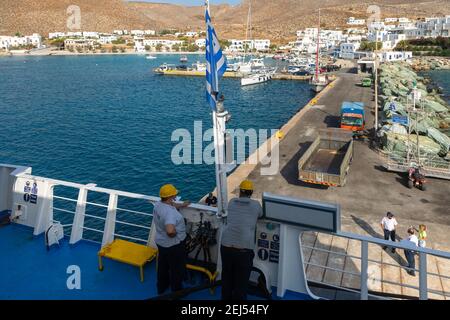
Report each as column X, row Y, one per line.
column 396, row 81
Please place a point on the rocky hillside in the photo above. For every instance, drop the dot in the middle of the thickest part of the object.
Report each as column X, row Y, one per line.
column 274, row 19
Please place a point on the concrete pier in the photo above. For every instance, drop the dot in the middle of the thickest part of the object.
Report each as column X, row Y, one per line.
column 369, row 193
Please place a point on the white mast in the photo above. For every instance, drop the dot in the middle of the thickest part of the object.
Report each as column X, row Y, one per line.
column 219, row 117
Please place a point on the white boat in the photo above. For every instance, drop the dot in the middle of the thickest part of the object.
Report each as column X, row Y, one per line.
column 150, row 57
column 255, row 79
column 318, row 81
column 259, row 77
column 184, row 59
column 198, row 66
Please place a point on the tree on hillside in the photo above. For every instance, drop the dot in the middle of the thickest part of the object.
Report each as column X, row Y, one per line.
column 224, row 44
column 370, row 46
column 159, row 47
column 192, row 47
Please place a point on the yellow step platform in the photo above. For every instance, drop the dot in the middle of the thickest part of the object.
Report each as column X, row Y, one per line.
column 127, row 252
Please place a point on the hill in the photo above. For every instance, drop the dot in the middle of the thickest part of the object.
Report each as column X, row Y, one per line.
column 274, row 19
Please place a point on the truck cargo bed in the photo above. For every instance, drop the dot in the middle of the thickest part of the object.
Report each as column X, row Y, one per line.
column 326, row 160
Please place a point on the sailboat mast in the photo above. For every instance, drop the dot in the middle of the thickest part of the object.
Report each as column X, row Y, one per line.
column 318, row 49
column 248, row 29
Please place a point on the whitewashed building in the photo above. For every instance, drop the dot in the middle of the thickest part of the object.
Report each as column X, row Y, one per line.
column 139, row 33
column 107, row 39
column 191, row 34
column 434, row 27
column 149, row 32
column 200, row 43
column 348, row 50
column 391, row 56
column 7, row 42
column 56, row 35
column 355, row 22
column 91, row 34
column 240, row 45
column 75, row 34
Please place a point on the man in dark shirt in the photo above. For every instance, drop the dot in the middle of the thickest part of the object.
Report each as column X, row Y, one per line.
column 211, row 200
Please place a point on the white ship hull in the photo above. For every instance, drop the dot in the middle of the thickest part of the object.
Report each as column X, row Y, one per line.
column 255, row 79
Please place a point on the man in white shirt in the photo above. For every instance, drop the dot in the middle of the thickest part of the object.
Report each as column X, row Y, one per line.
column 413, row 242
column 388, row 224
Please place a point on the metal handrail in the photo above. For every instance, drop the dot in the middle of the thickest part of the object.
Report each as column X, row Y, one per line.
column 365, row 240
column 133, row 225
column 133, row 211
column 128, row 237
column 370, row 260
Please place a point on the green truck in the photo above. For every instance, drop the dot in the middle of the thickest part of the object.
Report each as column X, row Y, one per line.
column 366, row 82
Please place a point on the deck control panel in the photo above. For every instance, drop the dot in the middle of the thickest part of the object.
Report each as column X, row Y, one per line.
column 268, row 241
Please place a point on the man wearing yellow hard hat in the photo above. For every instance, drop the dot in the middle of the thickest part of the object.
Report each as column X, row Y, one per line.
column 170, row 239
column 238, row 243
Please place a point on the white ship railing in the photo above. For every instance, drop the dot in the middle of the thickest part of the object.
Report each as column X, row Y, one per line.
column 364, row 264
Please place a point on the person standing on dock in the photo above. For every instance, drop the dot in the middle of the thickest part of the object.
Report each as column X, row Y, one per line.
column 411, row 242
column 422, row 234
column 388, row 224
column 170, row 239
column 211, row 200
column 238, row 243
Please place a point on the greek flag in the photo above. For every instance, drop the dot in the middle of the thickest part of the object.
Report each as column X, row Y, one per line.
column 215, row 63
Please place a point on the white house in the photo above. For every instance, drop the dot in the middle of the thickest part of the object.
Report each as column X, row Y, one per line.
column 240, row 45
column 75, row 43
column 164, row 42
column 200, row 43
column 118, row 32
column 56, row 35
column 355, row 22
column 390, row 56
column 107, row 39
column 191, row 34
column 74, row 34
column 434, row 27
column 390, row 20
column 6, row 42
column 137, row 33
column 91, row 34
column 149, row 32
column 347, row 50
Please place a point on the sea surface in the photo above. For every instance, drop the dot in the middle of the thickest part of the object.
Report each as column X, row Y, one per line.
column 109, row 120
column 442, row 79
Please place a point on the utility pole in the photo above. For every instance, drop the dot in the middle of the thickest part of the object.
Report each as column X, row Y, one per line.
column 376, row 85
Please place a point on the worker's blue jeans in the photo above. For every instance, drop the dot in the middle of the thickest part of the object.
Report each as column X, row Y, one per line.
column 411, row 261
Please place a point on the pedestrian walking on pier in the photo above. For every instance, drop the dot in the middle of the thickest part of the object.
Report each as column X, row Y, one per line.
column 412, row 242
column 388, row 224
column 422, row 235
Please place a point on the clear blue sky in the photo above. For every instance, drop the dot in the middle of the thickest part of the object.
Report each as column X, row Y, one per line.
column 193, row 2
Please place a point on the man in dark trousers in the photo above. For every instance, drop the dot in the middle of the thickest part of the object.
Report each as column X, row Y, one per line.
column 238, row 243
column 170, row 239
column 388, row 224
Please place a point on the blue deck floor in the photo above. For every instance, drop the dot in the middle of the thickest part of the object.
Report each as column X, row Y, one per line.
column 29, row 271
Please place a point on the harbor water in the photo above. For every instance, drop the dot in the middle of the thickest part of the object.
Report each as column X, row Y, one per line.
column 109, row 120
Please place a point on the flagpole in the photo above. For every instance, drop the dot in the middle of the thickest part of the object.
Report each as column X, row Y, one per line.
column 219, row 117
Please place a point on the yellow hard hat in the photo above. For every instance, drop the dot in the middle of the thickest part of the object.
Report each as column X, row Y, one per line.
column 280, row 134
column 167, row 191
column 246, row 185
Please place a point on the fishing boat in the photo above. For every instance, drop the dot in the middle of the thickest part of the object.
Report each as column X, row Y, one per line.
column 319, row 81
column 184, row 59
